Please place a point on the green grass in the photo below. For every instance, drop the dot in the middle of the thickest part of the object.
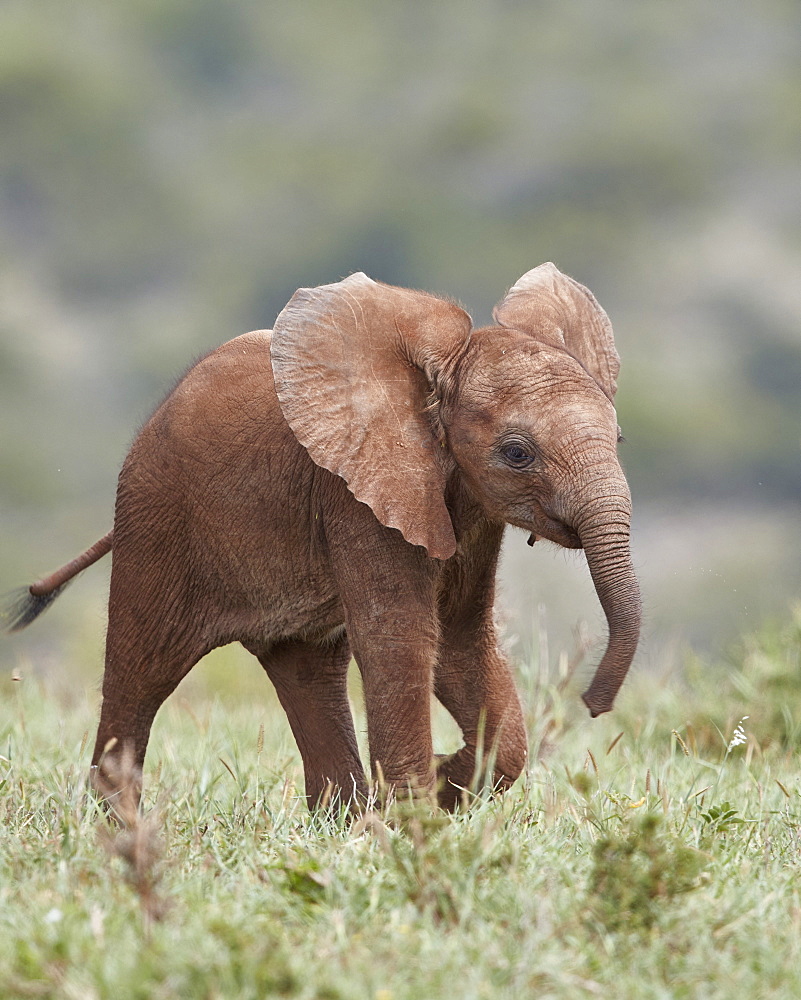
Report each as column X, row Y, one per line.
column 640, row 858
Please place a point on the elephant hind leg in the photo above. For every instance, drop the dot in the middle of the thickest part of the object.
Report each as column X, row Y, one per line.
column 136, row 683
column 311, row 683
column 156, row 634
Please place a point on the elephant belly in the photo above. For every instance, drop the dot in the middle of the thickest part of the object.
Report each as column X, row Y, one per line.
column 262, row 595
column 297, row 613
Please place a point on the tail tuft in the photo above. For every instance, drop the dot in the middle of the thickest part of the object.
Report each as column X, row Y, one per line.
column 20, row 607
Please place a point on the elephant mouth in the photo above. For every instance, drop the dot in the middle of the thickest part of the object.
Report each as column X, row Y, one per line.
column 553, row 530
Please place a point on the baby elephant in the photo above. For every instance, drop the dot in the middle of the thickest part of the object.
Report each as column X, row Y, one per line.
column 339, row 487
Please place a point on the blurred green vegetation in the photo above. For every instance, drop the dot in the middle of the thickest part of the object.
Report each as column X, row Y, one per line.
column 170, row 173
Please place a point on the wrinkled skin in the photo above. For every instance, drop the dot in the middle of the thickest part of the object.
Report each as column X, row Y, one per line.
column 339, row 487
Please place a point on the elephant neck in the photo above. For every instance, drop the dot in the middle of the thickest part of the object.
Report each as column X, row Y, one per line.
column 467, row 515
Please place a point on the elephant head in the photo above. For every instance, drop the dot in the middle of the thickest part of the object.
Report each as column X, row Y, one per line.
column 393, row 390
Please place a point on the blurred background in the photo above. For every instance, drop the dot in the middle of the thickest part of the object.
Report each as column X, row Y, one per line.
column 171, row 172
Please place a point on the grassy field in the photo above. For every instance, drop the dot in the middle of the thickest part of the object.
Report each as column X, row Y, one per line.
column 651, row 853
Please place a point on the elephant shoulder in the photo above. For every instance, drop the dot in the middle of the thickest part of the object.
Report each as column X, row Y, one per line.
column 238, row 370
column 247, row 354
column 228, row 395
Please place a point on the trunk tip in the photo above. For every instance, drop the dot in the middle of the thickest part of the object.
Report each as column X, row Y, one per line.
column 597, row 706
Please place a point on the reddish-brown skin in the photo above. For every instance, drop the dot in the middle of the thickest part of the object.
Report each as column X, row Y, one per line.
column 226, row 531
column 228, row 528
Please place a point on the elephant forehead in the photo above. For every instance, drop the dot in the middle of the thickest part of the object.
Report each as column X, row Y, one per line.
column 526, row 370
column 544, row 392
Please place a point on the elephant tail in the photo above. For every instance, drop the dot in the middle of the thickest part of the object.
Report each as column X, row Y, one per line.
column 28, row 603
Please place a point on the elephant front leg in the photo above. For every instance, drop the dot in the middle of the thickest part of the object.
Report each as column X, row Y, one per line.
column 477, row 688
column 397, row 677
column 388, row 592
column 474, row 682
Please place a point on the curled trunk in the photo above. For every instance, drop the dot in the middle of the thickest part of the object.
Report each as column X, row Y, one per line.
column 605, row 536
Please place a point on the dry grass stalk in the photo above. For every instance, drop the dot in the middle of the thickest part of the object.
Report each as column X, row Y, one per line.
column 134, row 838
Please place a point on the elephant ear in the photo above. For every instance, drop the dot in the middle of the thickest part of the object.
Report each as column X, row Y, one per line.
column 355, row 364
column 557, row 310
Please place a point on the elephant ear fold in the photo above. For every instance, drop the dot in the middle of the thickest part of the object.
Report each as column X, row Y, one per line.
column 356, row 366
column 555, row 309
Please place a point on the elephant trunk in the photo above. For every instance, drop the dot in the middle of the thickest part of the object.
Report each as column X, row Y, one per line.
column 604, row 529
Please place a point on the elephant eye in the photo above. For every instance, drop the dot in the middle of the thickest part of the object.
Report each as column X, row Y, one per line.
column 516, row 455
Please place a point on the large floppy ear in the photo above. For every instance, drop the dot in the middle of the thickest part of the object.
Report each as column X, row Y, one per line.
column 355, row 364
column 555, row 309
